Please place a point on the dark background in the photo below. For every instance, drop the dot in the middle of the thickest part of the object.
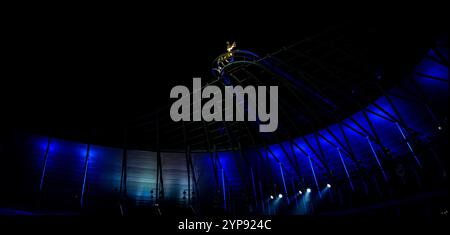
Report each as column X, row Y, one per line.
column 75, row 71
column 82, row 72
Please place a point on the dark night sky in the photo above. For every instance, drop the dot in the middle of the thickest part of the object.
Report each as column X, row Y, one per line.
column 79, row 71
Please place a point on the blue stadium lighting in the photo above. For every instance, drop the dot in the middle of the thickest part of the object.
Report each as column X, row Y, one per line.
column 224, row 190
column 314, row 174
column 284, row 183
column 409, row 145
column 376, row 158
column 375, row 137
column 47, row 150
column 345, row 169
column 86, row 164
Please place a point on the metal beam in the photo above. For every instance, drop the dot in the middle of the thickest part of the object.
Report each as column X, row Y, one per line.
column 213, row 162
column 44, row 164
column 86, row 163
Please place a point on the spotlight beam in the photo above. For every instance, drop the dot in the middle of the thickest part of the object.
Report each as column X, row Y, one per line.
column 314, row 174
column 284, row 182
column 409, row 145
column 346, row 171
column 376, row 158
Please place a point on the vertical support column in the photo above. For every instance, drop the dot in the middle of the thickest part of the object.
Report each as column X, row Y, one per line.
column 254, row 188
column 43, row 171
column 159, row 177
column 284, row 182
column 224, row 190
column 222, row 171
column 376, row 158
column 86, row 164
column 123, row 175
column 345, row 168
column 295, row 193
column 314, row 174
column 194, row 178
column 409, row 145
column 188, row 153
column 44, row 165
column 123, row 181
column 397, row 113
column 160, row 186
column 349, row 146
column 213, row 162
column 123, row 178
column 262, row 197
column 324, row 163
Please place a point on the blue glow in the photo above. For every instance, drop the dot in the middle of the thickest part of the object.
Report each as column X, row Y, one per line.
column 376, row 158
column 314, row 174
column 84, row 176
column 284, row 182
column 303, row 151
column 346, row 171
column 253, row 183
column 286, row 160
column 432, row 68
column 303, row 209
column 105, row 170
column 409, row 146
column 224, row 190
column 44, row 167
